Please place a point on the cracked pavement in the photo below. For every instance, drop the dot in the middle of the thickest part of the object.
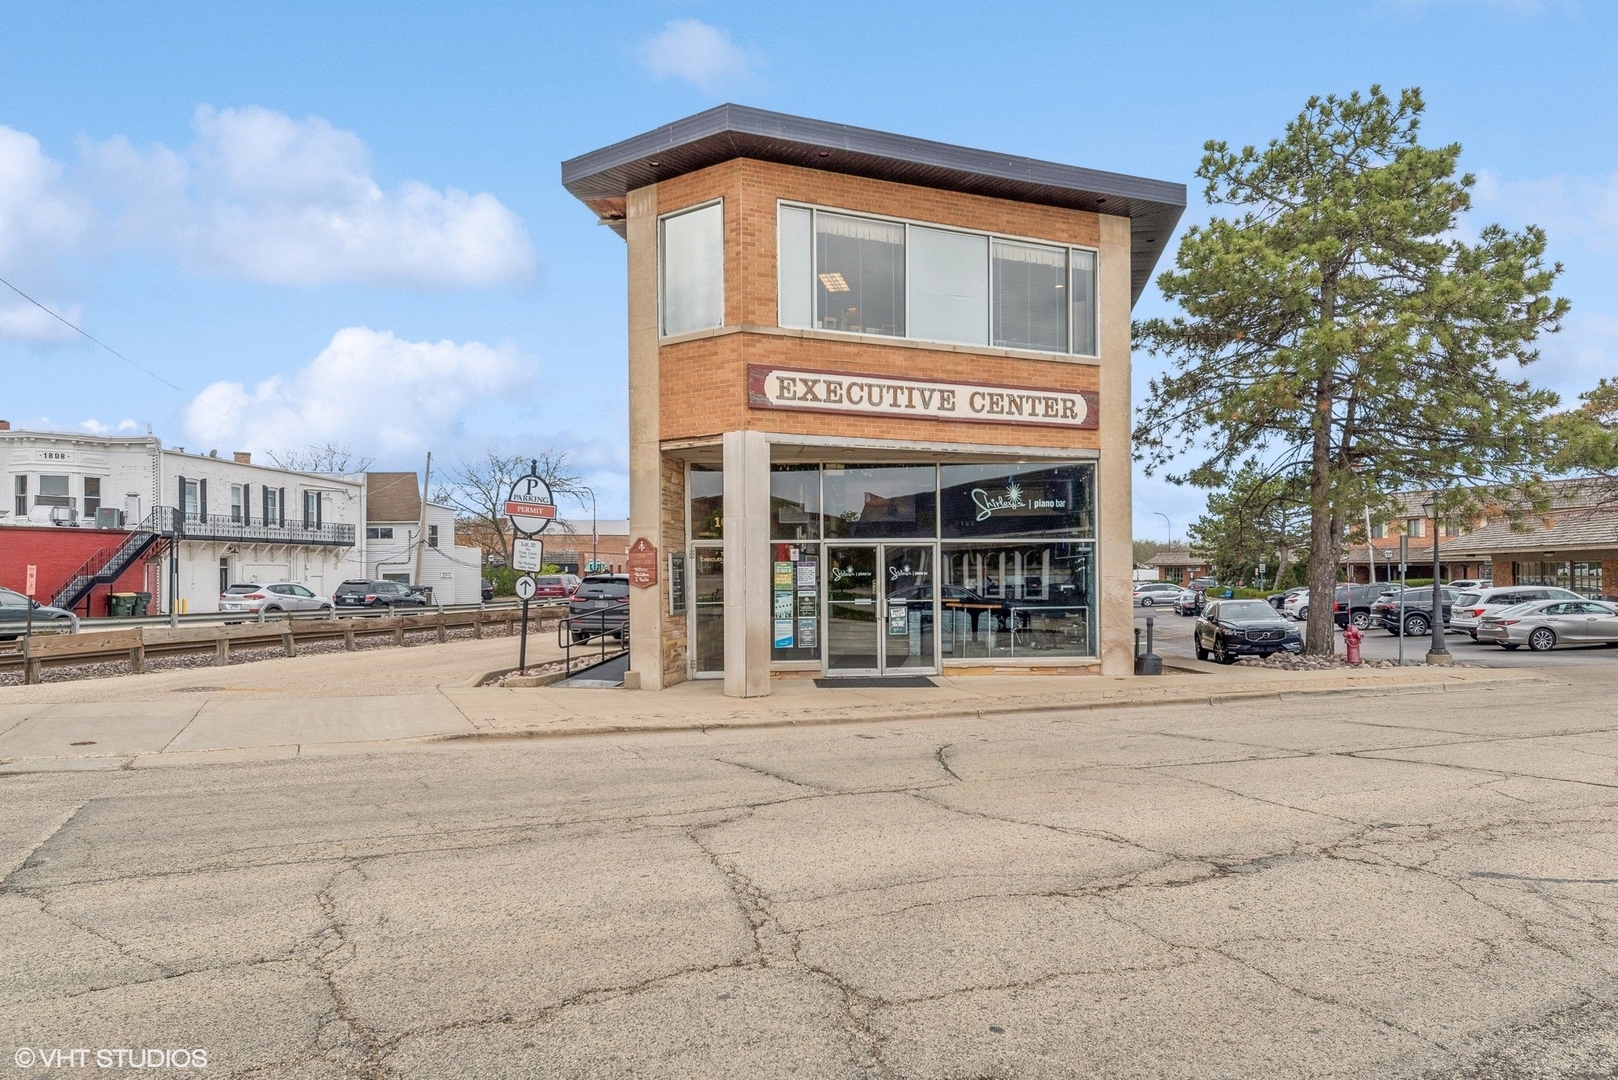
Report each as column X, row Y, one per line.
column 1410, row 886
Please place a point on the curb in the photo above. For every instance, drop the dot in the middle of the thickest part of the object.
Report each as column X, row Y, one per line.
column 984, row 712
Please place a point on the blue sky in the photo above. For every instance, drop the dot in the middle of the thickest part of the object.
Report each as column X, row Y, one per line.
column 345, row 222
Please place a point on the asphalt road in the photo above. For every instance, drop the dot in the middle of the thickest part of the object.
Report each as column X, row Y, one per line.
column 1172, row 637
column 1399, row 886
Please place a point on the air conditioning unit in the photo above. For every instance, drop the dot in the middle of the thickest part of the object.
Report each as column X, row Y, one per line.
column 109, row 517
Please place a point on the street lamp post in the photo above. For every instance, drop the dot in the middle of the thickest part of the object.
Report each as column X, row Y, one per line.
column 1169, row 523
column 1437, row 654
column 594, row 558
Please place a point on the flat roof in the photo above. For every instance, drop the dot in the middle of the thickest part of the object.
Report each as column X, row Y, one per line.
column 602, row 178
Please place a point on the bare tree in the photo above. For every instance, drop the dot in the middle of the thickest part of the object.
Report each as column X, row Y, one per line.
column 330, row 458
column 477, row 490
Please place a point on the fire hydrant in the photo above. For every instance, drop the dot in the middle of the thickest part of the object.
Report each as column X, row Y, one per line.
column 1351, row 642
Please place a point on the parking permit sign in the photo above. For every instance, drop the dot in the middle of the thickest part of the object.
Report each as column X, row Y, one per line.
column 529, row 504
column 528, row 555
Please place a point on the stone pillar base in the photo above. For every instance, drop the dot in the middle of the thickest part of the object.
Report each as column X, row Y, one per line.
column 1441, row 659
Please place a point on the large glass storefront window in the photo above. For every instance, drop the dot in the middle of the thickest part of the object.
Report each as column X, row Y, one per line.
column 1018, row 500
column 880, row 501
column 1022, row 599
column 795, row 502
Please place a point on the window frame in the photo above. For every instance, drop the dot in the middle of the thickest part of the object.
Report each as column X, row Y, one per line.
column 908, row 224
column 661, row 254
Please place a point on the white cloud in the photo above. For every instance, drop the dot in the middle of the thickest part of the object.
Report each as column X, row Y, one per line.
column 701, row 54
column 1577, row 209
column 368, row 389
column 41, row 220
column 96, row 427
column 265, row 197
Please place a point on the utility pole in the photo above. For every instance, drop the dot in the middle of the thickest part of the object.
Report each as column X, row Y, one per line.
column 421, row 526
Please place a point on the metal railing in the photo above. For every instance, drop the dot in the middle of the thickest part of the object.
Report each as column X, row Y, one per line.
column 169, row 521
column 573, row 627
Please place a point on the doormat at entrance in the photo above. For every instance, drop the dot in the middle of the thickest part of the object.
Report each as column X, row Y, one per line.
column 875, row 681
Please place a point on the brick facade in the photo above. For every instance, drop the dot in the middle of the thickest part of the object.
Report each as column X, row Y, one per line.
column 704, row 381
column 56, row 554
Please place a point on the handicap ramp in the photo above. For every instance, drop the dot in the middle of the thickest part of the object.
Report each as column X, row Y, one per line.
column 607, row 675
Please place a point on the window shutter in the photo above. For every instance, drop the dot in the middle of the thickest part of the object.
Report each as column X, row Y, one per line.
column 281, row 509
column 320, row 503
column 247, row 504
column 179, row 504
column 202, row 498
column 264, row 496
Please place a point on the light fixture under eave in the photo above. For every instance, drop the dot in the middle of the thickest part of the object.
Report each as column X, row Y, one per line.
column 654, row 164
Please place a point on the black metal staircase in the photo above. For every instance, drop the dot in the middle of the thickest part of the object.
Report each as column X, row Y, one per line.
column 106, row 566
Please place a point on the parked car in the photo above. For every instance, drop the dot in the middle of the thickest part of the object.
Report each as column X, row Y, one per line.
column 1191, row 601
column 271, row 598
column 1202, row 583
column 1471, row 607
column 1278, row 600
column 599, row 606
column 1465, row 584
column 1232, row 628
column 487, row 591
column 1545, row 624
column 372, row 593
column 14, row 616
column 1149, row 593
column 1352, row 603
column 1296, row 606
column 1417, row 609
column 555, row 586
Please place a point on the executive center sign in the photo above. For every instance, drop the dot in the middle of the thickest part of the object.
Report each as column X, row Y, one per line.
column 917, row 399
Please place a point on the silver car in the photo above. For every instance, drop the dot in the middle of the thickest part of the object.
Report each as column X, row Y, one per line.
column 1545, row 624
column 277, row 596
column 1474, row 604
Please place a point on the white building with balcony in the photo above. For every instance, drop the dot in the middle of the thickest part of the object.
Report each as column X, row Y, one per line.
column 206, row 521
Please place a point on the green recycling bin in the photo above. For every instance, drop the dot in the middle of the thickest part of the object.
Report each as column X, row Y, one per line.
column 143, row 604
column 120, row 604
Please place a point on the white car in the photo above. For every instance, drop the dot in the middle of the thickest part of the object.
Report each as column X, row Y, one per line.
column 1475, row 605
column 271, row 598
column 1296, row 606
column 1152, row 593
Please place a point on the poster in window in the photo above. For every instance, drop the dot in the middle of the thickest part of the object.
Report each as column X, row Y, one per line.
column 783, row 633
column 807, row 577
column 783, row 605
column 807, row 633
column 783, row 576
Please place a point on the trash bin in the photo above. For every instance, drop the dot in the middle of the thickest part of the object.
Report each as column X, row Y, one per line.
column 143, row 603
column 120, row 604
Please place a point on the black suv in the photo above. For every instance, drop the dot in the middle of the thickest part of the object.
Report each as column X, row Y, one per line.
column 599, row 606
column 1352, row 603
column 370, row 593
column 1418, row 609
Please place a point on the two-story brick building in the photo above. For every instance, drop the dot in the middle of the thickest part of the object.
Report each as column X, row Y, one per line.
column 879, row 398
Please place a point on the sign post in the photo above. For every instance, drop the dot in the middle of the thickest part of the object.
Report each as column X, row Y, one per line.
column 525, row 590
column 531, row 508
column 1404, row 553
column 28, row 632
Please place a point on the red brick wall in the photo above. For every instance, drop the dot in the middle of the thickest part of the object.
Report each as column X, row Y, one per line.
column 56, row 553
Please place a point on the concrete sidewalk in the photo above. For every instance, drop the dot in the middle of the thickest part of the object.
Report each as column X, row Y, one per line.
column 396, row 698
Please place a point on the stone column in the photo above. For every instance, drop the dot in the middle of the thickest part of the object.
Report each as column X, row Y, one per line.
column 747, row 564
column 645, row 454
column 1116, row 510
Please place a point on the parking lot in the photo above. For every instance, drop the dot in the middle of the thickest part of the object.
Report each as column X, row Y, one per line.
column 1173, row 638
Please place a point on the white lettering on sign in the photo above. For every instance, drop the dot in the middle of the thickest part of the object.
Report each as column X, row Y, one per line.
column 879, row 395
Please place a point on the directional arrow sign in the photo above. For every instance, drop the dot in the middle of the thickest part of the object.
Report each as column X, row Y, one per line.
column 525, row 588
column 530, row 505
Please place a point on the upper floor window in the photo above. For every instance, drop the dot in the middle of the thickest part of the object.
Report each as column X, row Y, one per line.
column 872, row 276
column 92, row 495
column 20, row 490
column 432, row 536
column 379, row 532
column 54, row 491
column 191, row 498
column 691, row 270
column 311, row 510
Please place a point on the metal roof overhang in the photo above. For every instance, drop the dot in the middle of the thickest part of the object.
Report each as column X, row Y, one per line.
column 602, row 178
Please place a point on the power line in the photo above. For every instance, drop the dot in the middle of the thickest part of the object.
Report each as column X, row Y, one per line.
column 80, row 330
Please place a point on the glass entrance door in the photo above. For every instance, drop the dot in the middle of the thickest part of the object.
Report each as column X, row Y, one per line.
column 881, row 609
column 707, row 562
column 853, row 644
column 908, row 609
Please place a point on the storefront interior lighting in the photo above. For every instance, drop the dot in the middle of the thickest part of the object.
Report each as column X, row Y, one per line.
column 834, row 282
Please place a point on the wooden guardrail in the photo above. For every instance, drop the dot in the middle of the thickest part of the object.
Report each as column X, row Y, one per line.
column 135, row 644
